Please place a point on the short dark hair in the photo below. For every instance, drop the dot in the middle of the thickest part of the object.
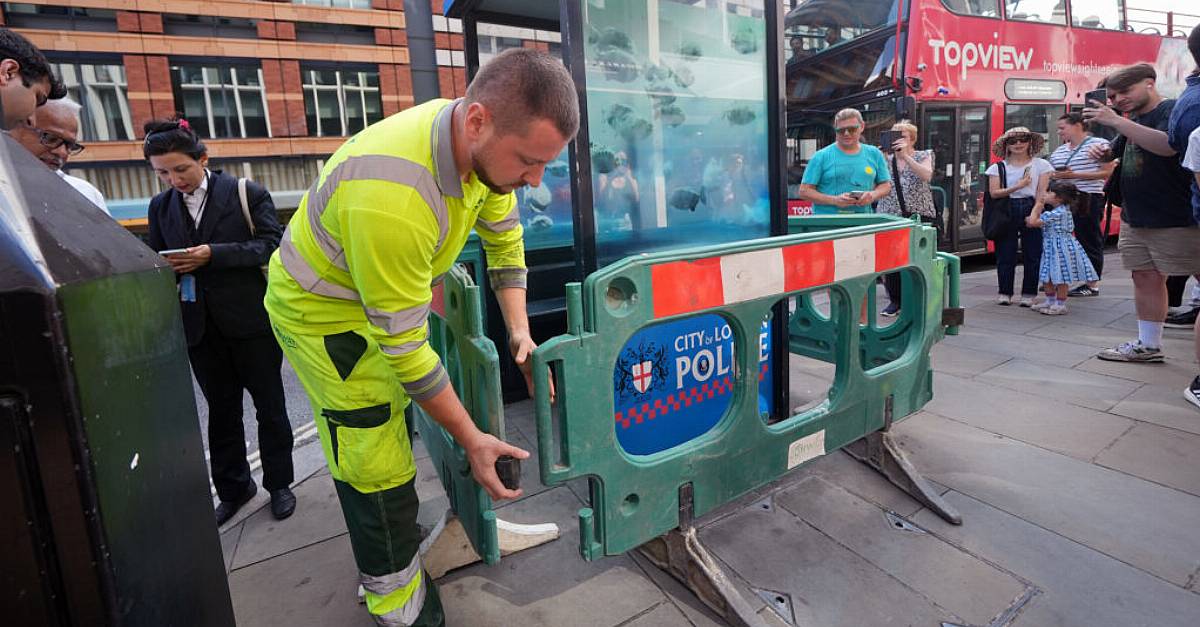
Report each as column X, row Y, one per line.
column 520, row 85
column 167, row 136
column 1073, row 117
column 1129, row 76
column 34, row 66
column 1194, row 45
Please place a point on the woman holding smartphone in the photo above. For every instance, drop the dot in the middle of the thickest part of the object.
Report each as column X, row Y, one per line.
column 1026, row 178
column 217, row 238
column 911, row 171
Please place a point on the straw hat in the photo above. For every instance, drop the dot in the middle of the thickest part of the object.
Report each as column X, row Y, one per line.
column 1036, row 142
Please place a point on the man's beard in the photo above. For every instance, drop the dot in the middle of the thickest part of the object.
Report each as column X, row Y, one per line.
column 482, row 174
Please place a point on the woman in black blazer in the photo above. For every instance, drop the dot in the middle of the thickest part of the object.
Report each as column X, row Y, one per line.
column 201, row 229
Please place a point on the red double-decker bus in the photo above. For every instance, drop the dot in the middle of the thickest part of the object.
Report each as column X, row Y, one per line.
column 963, row 71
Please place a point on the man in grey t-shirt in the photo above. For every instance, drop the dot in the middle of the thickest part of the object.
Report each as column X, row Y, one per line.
column 1072, row 163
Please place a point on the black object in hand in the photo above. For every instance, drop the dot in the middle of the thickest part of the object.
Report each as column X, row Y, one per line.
column 508, row 468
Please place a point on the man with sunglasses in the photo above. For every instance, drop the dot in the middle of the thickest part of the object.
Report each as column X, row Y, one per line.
column 846, row 176
column 50, row 134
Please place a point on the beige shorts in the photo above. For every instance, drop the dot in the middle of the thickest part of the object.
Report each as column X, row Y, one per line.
column 1170, row 251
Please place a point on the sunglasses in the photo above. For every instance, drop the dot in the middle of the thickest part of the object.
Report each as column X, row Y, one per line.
column 1018, row 140
column 847, row 130
column 53, row 141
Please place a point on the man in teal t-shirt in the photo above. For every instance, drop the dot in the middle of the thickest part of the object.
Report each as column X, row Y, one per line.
column 847, row 176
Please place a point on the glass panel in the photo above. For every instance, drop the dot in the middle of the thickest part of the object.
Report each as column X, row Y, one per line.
column 354, row 111
column 254, row 115
column 1041, row 119
column 839, row 73
column 224, row 114
column 816, row 25
column 1043, row 11
column 248, row 77
column 325, row 77
column 546, row 209
column 310, row 112
column 678, row 126
column 196, row 111
column 981, row 8
column 351, row 79
column 973, row 158
column 111, row 120
column 329, row 112
column 1096, row 14
column 374, row 107
column 939, row 135
column 191, row 74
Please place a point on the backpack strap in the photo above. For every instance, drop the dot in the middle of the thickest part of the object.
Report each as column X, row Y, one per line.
column 245, row 205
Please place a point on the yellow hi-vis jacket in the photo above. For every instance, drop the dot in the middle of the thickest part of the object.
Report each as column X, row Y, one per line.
column 385, row 219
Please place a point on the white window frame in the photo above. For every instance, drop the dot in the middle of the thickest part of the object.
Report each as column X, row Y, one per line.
column 309, row 80
column 207, row 87
column 89, row 98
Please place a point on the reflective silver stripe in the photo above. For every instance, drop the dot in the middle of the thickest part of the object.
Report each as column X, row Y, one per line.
column 507, row 223
column 305, row 276
column 396, row 322
column 427, row 386
column 376, row 168
column 383, row 585
column 443, row 151
column 507, row 277
column 402, row 349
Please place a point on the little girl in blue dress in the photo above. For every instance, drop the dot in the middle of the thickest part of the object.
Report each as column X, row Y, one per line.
column 1063, row 260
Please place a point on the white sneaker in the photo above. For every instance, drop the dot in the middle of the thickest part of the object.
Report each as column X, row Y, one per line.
column 1004, row 299
column 1027, row 301
column 1041, row 306
column 1054, row 310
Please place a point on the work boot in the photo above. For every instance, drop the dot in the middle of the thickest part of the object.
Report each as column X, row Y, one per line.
column 226, row 509
column 283, row 503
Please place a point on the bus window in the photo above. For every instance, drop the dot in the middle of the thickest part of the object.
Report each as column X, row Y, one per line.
column 817, row 25
column 1104, row 14
column 1042, row 11
column 977, row 8
column 1041, row 119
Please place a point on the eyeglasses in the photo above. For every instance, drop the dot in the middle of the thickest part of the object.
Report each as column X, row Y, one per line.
column 847, row 130
column 53, row 141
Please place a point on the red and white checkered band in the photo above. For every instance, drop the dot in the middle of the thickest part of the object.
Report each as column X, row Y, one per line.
column 686, row 286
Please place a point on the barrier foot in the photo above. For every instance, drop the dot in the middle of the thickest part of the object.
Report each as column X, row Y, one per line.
column 447, row 546
column 879, row 451
column 680, row 553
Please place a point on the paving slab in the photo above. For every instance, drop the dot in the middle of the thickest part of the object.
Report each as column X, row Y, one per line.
column 316, row 585
column 1049, row 423
column 970, row 588
column 962, row 361
column 1040, row 350
column 684, row 600
column 1081, row 587
column 1174, row 372
column 1072, row 385
column 1131, row 519
column 1162, row 455
column 840, row 469
column 1011, row 319
column 549, row 584
column 229, row 542
column 662, row 615
column 829, row 584
column 318, row 517
column 1161, row 405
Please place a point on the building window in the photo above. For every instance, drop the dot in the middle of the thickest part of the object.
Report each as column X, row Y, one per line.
column 103, row 93
column 335, row 34
column 341, row 4
column 1104, row 14
column 223, row 101
column 208, row 26
column 24, row 15
column 1041, row 11
column 340, row 101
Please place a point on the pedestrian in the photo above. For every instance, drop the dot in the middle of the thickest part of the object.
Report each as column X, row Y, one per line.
column 1026, row 178
column 51, row 135
column 847, row 175
column 351, row 289
column 911, row 170
column 216, row 239
column 1159, row 236
column 1185, row 118
column 26, row 81
column 1191, row 161
column 1072, row 163
column 1063, row 258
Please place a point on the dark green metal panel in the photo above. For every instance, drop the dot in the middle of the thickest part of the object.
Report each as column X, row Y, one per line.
column 635, row 498
column 456, row 334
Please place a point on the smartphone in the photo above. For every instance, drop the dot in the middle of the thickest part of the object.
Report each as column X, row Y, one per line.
column 1099, row 96
column 173, row 251
column 855, row 195
column 887, row 138
column 1027, row 172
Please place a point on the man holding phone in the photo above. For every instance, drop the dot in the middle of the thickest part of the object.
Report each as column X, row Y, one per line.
column 846, row 176
column 1159, row 236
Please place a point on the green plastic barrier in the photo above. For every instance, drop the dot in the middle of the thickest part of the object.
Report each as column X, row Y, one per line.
column 637, row 498
column 471, row 361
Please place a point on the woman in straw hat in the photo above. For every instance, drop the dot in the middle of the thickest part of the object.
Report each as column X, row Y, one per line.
column 1026, row 178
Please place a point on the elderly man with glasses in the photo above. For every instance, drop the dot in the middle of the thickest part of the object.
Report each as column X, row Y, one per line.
column 50, row 134
column 848, row 175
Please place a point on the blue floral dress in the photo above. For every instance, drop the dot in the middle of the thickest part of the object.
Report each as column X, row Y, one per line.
column 1063, row 259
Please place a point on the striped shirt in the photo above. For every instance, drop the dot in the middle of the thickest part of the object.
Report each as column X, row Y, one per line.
column 1066, row 156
